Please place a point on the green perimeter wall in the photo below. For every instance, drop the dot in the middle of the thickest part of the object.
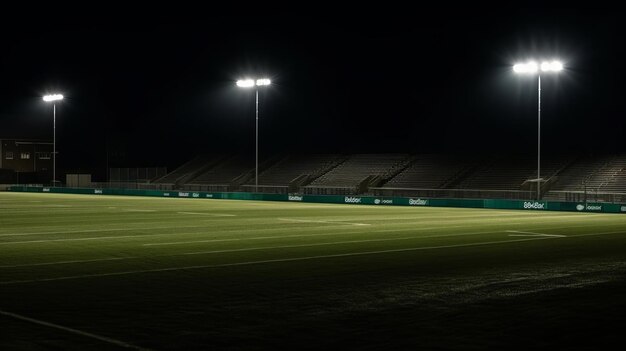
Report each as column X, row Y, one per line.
column 337, row 199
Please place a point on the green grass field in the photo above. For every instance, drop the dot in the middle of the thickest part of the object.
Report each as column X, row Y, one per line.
column 82, row 272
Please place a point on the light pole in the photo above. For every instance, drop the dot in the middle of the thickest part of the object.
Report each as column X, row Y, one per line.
column 52, row 98
column 533, row 68
column 249, row 83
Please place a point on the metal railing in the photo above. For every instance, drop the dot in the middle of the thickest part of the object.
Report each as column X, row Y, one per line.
column 455, row 193
column 591, row 195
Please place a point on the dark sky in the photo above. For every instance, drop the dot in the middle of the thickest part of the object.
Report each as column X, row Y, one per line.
column 161, row 88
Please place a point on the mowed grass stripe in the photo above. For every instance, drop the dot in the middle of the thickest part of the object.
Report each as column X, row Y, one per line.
column 261, row 247
column 297, row 245
column 279, row 260
column 423, row 221
column 349, row 244
column 217, row 235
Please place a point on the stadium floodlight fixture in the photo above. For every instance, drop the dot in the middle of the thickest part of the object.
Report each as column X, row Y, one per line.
column 245, row 83
column 554, row 66
column 263, row 81
column 531, row 67
column 53, row 98
column 249, row 83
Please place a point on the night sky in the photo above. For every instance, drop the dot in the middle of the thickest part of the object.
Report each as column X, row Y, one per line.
column 157, row 90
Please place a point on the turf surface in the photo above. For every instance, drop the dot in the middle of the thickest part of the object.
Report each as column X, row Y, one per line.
column 84, row 272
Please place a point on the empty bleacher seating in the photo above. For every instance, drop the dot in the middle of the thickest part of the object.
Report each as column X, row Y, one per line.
column 358, row 167
column 186, row 170
column 224, row 172
column 511, row 172
column 428, row 172
column 291, row 167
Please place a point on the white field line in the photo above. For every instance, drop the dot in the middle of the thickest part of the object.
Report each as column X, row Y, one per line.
column 223, row 232
column 68, row 262
column 139, row 235
column 71, row 330
column 316, row 235
column 317, row 221
column 232, row 239
column 81, row 239
column 84, row 217
column 596, row 234
column 260, row 238
column 248, row 263
column 294, row 246
column 100, row 230
column 139, row 210
column 208, row 214
column 427, row 220
column 520, row 233
column 191, row 233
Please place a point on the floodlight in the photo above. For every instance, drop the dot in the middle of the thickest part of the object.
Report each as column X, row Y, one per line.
column 245, row 83
column 263, row 81
column 557, row 66
column 519, row 68
column 53, row 97
column 531, row 67
column 249, row 83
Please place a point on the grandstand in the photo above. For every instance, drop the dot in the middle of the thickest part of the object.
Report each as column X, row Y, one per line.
column 222, row 174
column 360, row 169
column 292, row 167
column 429, row 172
column 511, row 173
column 185, row 172
column 428, row 175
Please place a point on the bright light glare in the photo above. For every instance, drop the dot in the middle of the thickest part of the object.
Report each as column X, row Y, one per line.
column 557, row 66
column 263, row 81
column 53, row 97
column 530, row 67
column 519, row 68
column 245, row 83
column 553, row 66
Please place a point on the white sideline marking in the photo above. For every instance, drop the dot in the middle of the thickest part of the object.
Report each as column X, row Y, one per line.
column 291, row 236
column 71, row 330
column 208, row 214
column 294, row 246
column 100, row 230
column 232, row 239
column 137, row 210
column 85, row 239
column 248, row 263
column 314, row 235
column 67, row 262
column 520, row 233
column 603, row 233
column 316, row 221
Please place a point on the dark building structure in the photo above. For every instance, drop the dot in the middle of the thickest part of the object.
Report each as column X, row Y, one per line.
column 31, row 158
